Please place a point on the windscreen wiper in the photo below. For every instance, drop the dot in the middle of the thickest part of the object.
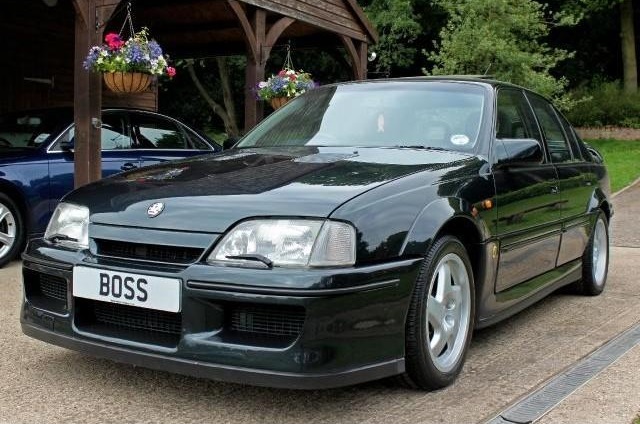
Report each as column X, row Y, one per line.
column 412, row 146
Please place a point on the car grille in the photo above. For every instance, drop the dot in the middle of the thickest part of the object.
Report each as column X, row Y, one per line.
column 53, row 287
column 148, row 252
column 45, row 291
column 267, row 320
column 128, row 322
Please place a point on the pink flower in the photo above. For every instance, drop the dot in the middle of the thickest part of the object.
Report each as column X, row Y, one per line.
column 171, row 71
column 282, row 73
column 114, row 41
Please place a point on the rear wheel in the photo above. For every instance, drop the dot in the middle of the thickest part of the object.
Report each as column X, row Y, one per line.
column 440, row 318
column 12, row 231
column 595, row 259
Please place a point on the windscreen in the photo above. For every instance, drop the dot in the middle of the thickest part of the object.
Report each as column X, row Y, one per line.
column 414, row 114
column 31, row 129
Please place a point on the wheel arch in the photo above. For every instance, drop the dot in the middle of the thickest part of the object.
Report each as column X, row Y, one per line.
column 18, row 198
column 465, row 230
column 445, row 217
column 605, row 206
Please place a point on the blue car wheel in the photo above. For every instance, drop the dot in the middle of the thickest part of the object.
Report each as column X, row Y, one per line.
column 11, row 230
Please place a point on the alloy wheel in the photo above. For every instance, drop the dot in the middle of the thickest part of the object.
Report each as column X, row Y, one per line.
column 448, row 312
column 7, row 230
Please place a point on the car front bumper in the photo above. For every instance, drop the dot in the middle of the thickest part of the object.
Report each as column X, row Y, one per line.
column 302, row 329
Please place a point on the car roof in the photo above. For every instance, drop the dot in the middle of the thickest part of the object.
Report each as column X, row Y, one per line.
column 67, row 111
column 485, row 80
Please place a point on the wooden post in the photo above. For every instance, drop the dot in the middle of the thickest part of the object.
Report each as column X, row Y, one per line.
column 87, row 90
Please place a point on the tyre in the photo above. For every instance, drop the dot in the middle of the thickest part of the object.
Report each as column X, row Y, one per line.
column 440, row 317
column 595, row 259
column 12, row 230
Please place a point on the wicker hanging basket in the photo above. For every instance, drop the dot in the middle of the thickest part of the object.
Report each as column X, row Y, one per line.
column 127, row 82
column 278, row 102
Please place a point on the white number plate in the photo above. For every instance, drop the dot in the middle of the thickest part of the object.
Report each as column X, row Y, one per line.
column 146, row 291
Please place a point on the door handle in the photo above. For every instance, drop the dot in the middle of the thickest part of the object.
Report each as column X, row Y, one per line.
column 128, row 166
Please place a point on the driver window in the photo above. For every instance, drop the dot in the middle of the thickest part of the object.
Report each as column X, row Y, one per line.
column 114, row 134
column 513, row 117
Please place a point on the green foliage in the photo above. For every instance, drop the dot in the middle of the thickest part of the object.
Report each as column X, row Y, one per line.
column 398, row 26
column 503, row 38
column 622, row 158
column 605, row 104
column 571, row 12
column 181, row 99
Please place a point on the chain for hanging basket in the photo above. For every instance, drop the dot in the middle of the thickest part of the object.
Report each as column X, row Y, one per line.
column 288, row 63
column 128, row 19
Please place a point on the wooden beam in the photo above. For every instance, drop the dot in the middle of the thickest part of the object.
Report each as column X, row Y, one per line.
column 253, row 110
column 354, row 56
column 247, row 28
column 274, row 33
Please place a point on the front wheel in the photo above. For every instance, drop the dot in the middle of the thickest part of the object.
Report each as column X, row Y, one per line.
column 595, row 259
column 440, row 319
column 12, row 231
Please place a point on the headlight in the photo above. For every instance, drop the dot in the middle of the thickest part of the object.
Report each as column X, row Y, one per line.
column 287, row 242
column 68, row 226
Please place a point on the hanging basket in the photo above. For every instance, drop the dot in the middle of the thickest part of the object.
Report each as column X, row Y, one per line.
column 127, row 82
column 278, row 102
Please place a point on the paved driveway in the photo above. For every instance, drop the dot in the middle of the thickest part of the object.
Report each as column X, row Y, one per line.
column 43, row 383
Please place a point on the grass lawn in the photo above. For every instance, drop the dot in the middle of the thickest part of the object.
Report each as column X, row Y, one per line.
column 622, row 158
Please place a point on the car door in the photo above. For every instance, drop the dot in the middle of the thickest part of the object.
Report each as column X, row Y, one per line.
column 159, row 139
column 528, row 218
column 576, row 179
column 117, row 154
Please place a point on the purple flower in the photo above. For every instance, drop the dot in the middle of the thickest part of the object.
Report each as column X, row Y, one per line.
column 94, row 52
column 135, row 53
column 155, row 51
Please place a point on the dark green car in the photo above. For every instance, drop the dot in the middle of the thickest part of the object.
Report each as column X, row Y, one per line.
column 362, row 231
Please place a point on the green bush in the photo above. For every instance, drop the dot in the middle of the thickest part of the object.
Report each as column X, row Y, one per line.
column 604, row 104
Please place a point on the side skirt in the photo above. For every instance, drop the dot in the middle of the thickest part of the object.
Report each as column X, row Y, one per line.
column 515, row 299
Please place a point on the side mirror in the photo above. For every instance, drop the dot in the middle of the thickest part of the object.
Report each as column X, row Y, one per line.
column 517, row 151
column 229, row 143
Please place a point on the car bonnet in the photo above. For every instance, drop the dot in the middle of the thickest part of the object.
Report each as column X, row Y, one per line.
column 210, row 193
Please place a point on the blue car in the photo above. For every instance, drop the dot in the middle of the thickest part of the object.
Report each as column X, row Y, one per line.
column 36, row 161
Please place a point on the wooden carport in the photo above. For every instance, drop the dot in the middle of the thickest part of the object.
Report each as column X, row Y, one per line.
column 196, row 28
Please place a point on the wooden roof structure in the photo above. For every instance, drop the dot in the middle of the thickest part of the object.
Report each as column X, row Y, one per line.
column 198, row 28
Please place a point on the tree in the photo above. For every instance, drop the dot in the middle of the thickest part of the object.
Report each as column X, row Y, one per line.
column 226, row 113
column 628, row 44
column 503, row 38
column 398, row 26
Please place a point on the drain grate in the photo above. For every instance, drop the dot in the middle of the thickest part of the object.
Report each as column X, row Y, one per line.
column 538, row 403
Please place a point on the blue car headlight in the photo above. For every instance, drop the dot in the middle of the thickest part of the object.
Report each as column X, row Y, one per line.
column 69, row 226
column 288, row 242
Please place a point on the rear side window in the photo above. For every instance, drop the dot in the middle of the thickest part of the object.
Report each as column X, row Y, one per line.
column 557, row 142
column 574, row 140
column 153, row 132
column 115, row 132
